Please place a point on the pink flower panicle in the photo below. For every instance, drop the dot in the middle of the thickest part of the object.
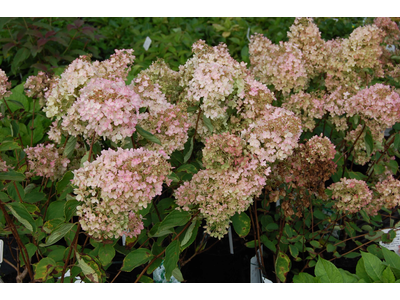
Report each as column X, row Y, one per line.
column 37, row 86
column 280, row 65
column 320, row 149
column 377, row 105
column 307, row 107
column 274, row 135
column 169, row 126
column 219, row 195
column 46, row 161
column 152, row 97
column 5, row 85
column 351, row 195
column 307, row 37
column 107, row 108
column 4, row 167
column 116, row 185
column 168, row 80
column 390, row 29
column 117, row 67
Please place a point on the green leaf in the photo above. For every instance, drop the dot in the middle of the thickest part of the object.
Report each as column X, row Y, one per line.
column 379, row 169
column 33, row 197
column 171, row 258
column 208, row 123
column 391, row 258
column 156, row 232
column 373, row 266
column 327, row 272
column 388, row 276
column 147, row 135
column 361, row 272
column 55, row 210
column 106, row 254
column 357, row 175
column 66, row 180
column 187, row 168
column 136, row 258
column 70, row 209
column 88, row 269
column 319, row 214
column 14, row 126
column 31, row 249
column 369, row 142
column 270, row 245
column 272, row 227
column 330, row 247
column 352, row 255
column 394, row 166
column 57, row 234
column 173, row 219
column 70, row 146
column 16, row 103
column 396, row 142
column 145, row 279
column 13, row 193
column 188, row 233
column 177, row 274
column 293, row 250
column 241, row 224
column 4, row 197
column 22, row 214
column 348, row 277
column 188, row 154
column 304, row 278
column 192, row 108
column 193, row 234
column 315, row 244
column 282, row 266
column 21, row 55
column 9, row 145
column 44, row 268
column 12, row 175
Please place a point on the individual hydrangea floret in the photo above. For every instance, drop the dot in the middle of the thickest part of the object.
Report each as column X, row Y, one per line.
column 351, row 195
column 106, row 108
column 46, row 161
